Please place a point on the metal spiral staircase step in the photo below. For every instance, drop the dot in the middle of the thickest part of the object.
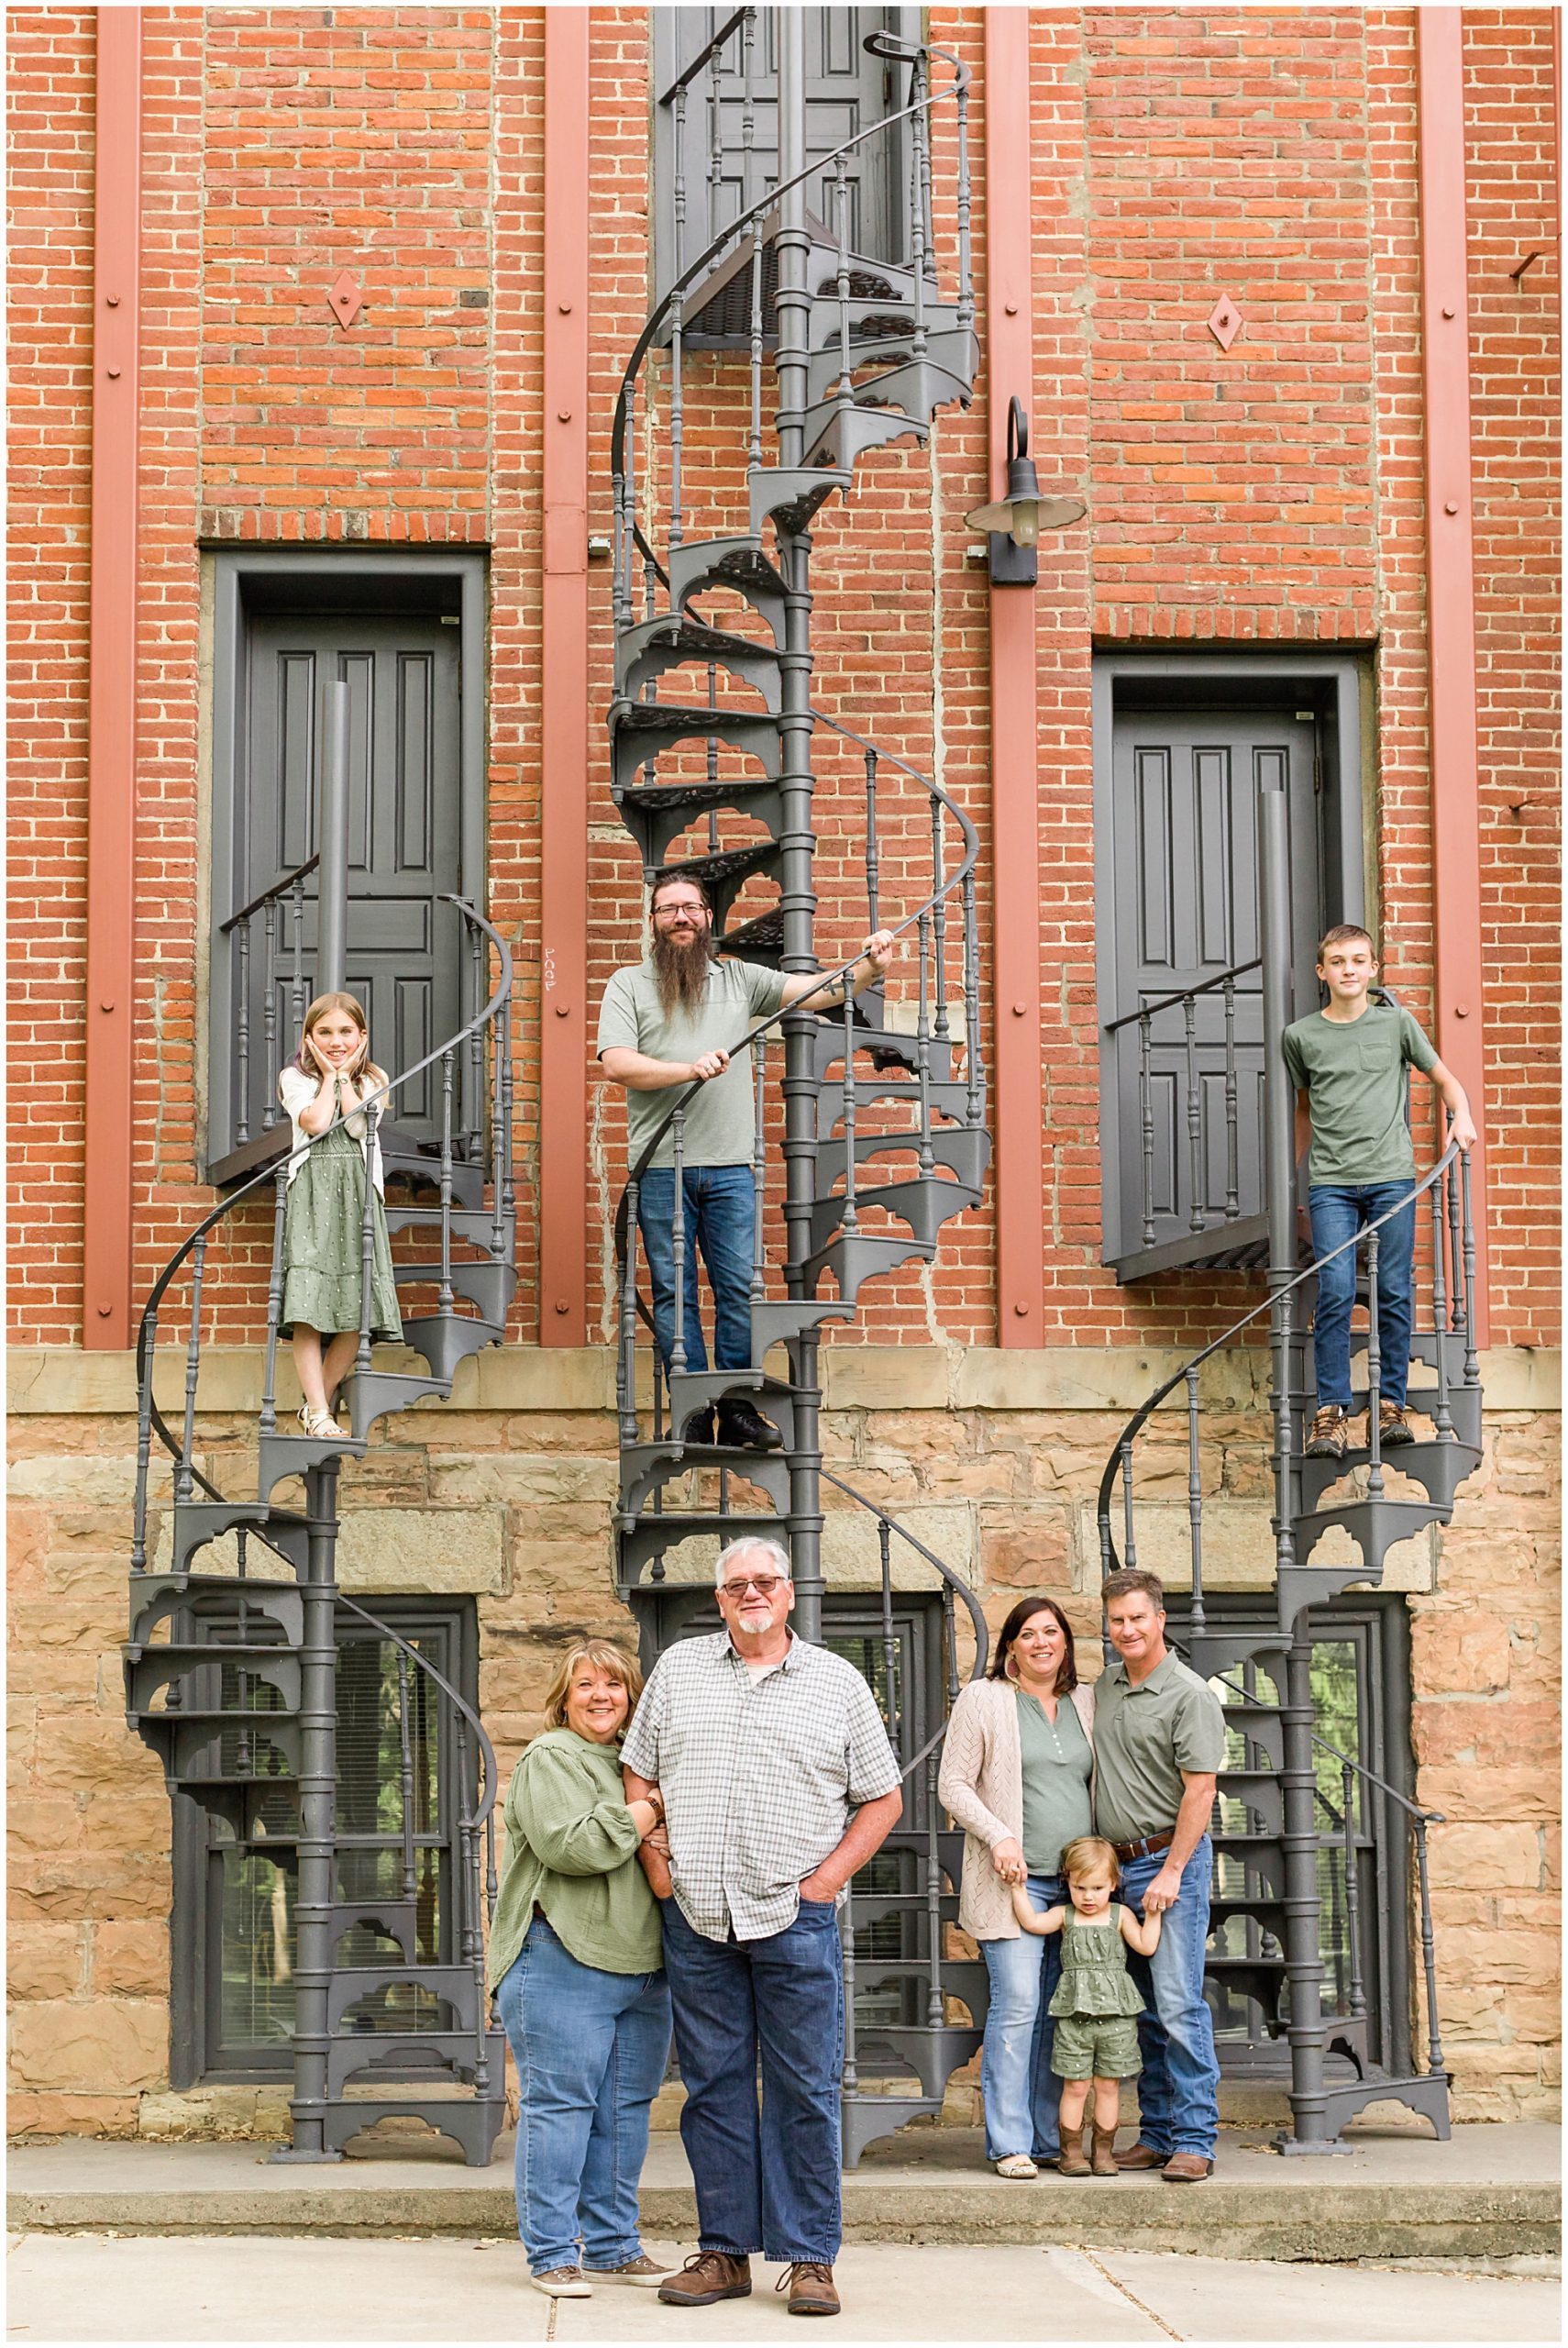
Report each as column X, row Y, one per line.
column 394, row 1920
column 933, row 2051
column 281, row 1456
column 656, row 814
column 372, row 1394
column 156, row 1598
column 352, row 2054
column 475, row 1223
column 724, row 874
column 693, row 1389
column 779, row 1324
column 964, row 1150
column 454, row 1984
column 637, row 1544
column 639, row 730
column 448, row 1339
column 954, row 350
column 148, row 1670
column 925, row 1202
column 791, row 497
column 1259, row 1725
column 472, row 2123
column 1261, row 1978
column 839, row 433
column 854, row 1258
column 1260, row 1790
column 1259, row 1908
column 197, row 1523
column 1440, row 1466
column 488, row 1285
column 674, row 639
column 863, row 2119
column 1264, row 1852
column 738, row 564
column 647, row 1467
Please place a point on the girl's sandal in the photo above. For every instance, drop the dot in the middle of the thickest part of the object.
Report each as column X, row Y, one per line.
column 1017, row 2165
column 320, row 1425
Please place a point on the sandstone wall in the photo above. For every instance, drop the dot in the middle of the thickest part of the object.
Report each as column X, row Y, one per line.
column 991, row 1459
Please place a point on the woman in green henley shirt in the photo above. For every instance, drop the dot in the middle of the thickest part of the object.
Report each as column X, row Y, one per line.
column 577, row 1966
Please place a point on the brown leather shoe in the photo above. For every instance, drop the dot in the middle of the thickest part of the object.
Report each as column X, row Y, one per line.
column 708, row 2275
column 811, row 2288
column 1187, row 2169
column 1141, row 2156
column 1102, row 2160
column 1394, row 1427
column 1326, row 1436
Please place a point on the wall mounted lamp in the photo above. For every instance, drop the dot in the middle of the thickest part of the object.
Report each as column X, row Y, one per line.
column 1014, row 522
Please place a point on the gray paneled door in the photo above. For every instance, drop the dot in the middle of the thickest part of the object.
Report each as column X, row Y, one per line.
column 845, row 90
column 1184, row 814
column 402, row 673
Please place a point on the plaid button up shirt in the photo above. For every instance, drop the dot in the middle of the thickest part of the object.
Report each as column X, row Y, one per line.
column 758, row 1780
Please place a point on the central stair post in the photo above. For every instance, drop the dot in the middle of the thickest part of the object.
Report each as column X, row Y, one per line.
column 1311, row 2131
column 332, row 838
column 797, row 899
column 316, row 1848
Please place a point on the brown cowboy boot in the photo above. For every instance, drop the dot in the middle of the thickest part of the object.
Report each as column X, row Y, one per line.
column 1074, row 2162
column 1102, row 2161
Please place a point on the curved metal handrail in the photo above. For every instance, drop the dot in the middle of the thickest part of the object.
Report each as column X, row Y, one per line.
column 963, row 75
column 1141, row 1417
column 459, row 1702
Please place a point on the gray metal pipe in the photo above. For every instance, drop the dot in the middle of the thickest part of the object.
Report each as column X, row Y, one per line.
column 332, row 881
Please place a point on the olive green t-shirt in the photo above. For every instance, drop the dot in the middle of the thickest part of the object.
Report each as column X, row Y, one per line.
column 1056, row 1768
column 1353, row 1074
column 1144, row 1737
column 571, row 1847
column 719, row 1119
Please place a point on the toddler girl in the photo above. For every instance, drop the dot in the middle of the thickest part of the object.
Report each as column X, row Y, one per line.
column 323, row 1086
column 1096, row 2002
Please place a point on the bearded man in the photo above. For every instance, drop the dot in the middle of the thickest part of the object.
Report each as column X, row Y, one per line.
column 681, row 1016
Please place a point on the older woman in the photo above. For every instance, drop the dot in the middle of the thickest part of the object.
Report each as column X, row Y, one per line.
column 1017, row 1774
column 577, row 1964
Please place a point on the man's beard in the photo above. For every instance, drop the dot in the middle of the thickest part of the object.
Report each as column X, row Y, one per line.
column 680, row 974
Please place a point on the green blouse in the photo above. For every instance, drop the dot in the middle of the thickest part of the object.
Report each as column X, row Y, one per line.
column 571, row 1847
column 1057, row 1764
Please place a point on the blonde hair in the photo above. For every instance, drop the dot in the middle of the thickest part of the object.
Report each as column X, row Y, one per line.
column 1086, row 1855
column 604, row 1656
column 351, row 1008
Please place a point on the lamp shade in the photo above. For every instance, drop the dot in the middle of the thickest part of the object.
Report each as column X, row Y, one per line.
column 1025, row 511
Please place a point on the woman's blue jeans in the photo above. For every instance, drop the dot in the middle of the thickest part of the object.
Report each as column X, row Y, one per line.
column 591, row 2049
column 1021, row 2092
column 1339, row 1211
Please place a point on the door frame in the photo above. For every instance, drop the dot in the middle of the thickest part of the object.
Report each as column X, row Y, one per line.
column 1339, row 686
column 445, row 583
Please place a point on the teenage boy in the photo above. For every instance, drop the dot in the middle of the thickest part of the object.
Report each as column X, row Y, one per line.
column 1348, row 1063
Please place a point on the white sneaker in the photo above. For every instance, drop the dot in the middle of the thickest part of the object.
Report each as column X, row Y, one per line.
column 563, row 2282
column 643, row 2270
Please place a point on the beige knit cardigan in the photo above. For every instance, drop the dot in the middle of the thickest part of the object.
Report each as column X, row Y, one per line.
column 982, row 1786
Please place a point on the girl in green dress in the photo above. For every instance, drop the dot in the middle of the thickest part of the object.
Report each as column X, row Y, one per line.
column 1096, row 2002
column 323, row 1088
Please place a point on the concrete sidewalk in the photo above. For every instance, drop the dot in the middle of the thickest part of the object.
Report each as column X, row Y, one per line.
column 1490, row 2193
column 75, row 2287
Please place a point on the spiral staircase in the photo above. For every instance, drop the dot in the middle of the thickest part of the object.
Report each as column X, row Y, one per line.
column 231, row 1664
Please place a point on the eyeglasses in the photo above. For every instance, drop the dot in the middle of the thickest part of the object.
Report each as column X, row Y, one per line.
column 689, row 907
column 763, row 1584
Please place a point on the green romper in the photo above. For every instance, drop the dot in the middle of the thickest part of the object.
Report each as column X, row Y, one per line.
column 1095, row 2005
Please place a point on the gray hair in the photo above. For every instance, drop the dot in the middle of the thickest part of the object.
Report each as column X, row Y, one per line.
column 748, row 1545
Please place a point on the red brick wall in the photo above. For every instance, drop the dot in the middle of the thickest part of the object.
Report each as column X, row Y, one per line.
column 50, row 269
column 1267, row 493
column 1516, row 390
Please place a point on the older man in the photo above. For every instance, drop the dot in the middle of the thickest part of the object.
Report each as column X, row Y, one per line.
column 779, row 1782
column 1159, row 1744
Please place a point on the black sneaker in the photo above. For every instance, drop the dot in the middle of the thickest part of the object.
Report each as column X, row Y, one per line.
column 699, row 1427
column 1326, row 1437
column 740, row 1423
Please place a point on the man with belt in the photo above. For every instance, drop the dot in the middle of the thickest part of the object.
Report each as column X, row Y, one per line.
column 779, row 1782
column 1159, row 1744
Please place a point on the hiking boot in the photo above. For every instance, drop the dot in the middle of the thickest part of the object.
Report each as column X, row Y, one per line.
column 739, row 1423
column 563, row 2282
column 1141, row 2156
column 641, row 2269
column 1102, row 2160
column 1187, row 2169
column 699, row 1427
column 1073, row 2161
column 1393, row 1425
column 1326, row 1436
column 810, row 2287
column 708, row 2275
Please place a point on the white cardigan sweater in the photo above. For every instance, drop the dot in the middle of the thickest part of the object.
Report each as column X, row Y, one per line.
column 981, row 1785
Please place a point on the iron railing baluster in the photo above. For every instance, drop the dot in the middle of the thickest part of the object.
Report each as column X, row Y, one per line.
column 758, row 1291
column 938, row 923
column 1373, row 1374
column 973, row 1070
column 1357, row 1998
column 1472, row 1365
column 1429, row 1950
column 675, row 527
column 1147, row 1122
column 274, row 1305
column 1194, row 1116
column 271, row 1108
column 242, row 1033
column 405, row 1762
column 849, row 1221
column 933, row 2000
column 367, row 1250
column 443, row 1296
column 182, row 1480
column 873, row 854
column 1442, row 1419
column 753, row 440
column 1232, row 1109
column 144, row 1439
column 627, row 1360
column 677, row 1236
column 1195, row 1498
column 926, row 1158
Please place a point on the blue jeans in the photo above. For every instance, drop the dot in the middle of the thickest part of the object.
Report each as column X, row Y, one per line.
column 1021, row 2091
column 1338, row 1212
column 721, row 1203
column 591, row 2050
column 765, row 2181
column 1178, row 2095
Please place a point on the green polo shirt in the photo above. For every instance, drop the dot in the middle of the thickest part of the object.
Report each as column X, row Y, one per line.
column 1353, row 1074
column 1057, row 1765
column 719, row 1119
column 1144, row 1737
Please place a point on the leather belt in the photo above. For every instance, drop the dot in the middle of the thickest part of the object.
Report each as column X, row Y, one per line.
column 1147, row 1847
